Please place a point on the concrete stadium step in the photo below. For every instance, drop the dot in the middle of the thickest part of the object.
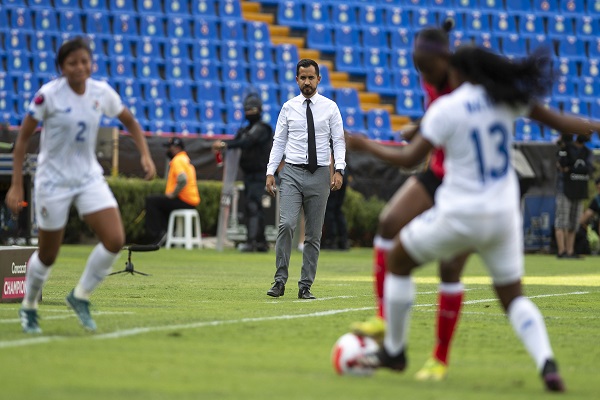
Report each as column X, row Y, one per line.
column 279, row 30
column 368, row 97
column 249, row 6
column 399, row 121
column 298, row 41
column 377, row 106
column 339, row 84
column 259, row 17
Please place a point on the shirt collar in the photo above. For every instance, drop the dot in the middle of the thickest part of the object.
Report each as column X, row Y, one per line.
column 314, row 99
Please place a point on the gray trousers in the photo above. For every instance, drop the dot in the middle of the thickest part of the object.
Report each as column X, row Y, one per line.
column 299, row 188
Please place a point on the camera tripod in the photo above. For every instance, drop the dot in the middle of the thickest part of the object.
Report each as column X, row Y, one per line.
column 129, row 264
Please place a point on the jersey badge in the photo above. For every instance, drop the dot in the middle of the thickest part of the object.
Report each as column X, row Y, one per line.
column 38, row 100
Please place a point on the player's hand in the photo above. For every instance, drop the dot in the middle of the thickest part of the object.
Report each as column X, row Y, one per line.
column 270, row 185
column 337, row 181
column 356, row 142
column 14, row 199
column 148, row 167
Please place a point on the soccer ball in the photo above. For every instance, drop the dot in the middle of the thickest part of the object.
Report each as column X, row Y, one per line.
column 346, row 349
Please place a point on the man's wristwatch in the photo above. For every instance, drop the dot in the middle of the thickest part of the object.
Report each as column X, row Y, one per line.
column 341, row 171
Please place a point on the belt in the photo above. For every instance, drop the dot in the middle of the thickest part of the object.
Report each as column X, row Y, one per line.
column 303, row 166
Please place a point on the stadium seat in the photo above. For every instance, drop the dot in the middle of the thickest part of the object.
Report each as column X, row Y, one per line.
column 16, row 39
column 595, row 109
column 545, row 7
column 205, row 50
column 210, row 112
column 286, row 53
column 205, row 69
column 258, row 32
column 374, row 37
column 286, row 73
column 402, row 58
column 589, row 88
column 18, row 61
column 441, row 4
column 178, row 68
column 587, row 26
column 94, row 5
column 514, row 45
column 573, row 7
column 518, row 6
column 346, row 35
column 572, row 47
column 149, row 6
column 458, row 38
column 349, row 59
column 566, row 66
column 591, row 67
column 70, row 21
column 234, row 92
column 405, row 79
column 20, row 18
column 347, row 97
column 230, row 9
column 178, row 48
column 180, row 89
column 45, row 20
column 260, row 52
column 152, row 25
column 401, row 38
column 458, row 17
column 320, row 37
column 44, row 63
column 177, row 8
column 343, row 14
column 125, row 24
column 100, row 67
column 205, row 29
column 159, row 109
column 287, row 92
column 369, row 15
column 122, row 6
column 154, row 89
column 159, row 127
column 560, row 26
column 268, row 93
column 187, row 128
column 354, row 120
column 397, row 17
column 261, row 73
column 210, row 129
column 97, row 22
column 325, row 77
column 233, row 71
column 531, row 25
column 527, row 130
column 477, row 22
column 232, row 51
column 593, row 45
column 26, row 83
column 422, row 18
column 179, row 26
column 317, row 13
column 270, row 115
column 504, row 24
column 233, row 30
column 235, row 117
column 379, row 126
column 209, row 91
column 204, row 8
column 147, row 68
column 290, row 13
column 129, row 87
column 379, row 80
column 376, row 58
column 66, row 4
column 563, row 89
column 539, row 41
column 45, row 4
column 409, row 103
column 6, row 83
column 119, row 46
column 578, row 106
column 491, row 6
column 487, row 40
column 121, row 67
column 7, row 103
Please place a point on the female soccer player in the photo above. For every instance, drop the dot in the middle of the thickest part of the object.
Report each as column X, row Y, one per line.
column 68, row 173
column 431, row 55
column 479, row 206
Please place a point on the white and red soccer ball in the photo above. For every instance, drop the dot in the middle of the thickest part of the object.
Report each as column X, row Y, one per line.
column 347, row 349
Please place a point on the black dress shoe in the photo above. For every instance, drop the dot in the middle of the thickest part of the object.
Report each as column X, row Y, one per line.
column 277, row 290
column 305, row 294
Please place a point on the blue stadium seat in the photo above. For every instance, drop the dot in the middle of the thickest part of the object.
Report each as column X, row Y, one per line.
column 514, row 45
column 539, row 41
column 26, row 83
column 423, row 18
column 487, row 40
column 179, row 26
column 531, row 25
column 4, row 17
column 402, row 59
column 379, row 126
column 205, row 69
column 148, row 46
column 119, row 46
column 66, row 4
column 317, row 13
column 94, row 5
column 100, row 67
column 441, row 4
column 20, row 18
column 401, row 38
column 527, row 131
column 593, row 47
column 159, row 127
column 260, row 52
column 578, row 106
column 234, row 71
column 354, row 119
column 180, row 89
column 346, row 35
column 405, row 79
column 70, row 21
column 125, row 24
column 560, row 26
column 563, row 89
column 591, row 67
column 7, row 102
column 210, row 112
column 5, row 82
column 458, row 38
column 379, row 80
column 565, row 66
column 477, row 22
column 154, row 89
column 178, row 48
column 286, row 73
column 258, row 32
column 147, row 68
column 325, row 77
column 17, row 39
column 595, row 109
column 458, row 17
column 18, row 61
column 97, row 43
column 376, row 58
column 572, row 47
column 320, row 37
column 205, row 50
column 491, row 6
column 230, row 9
column 270, row 115
column 268, row 93
column 37, row 4
column 97, row 22
column 545, row 7
column 22, row 101
column 159, row 109
column 187, row 128
column 574, row 7
column 504, row 24
column 409, row 103
column 209, row 91
column 45, row 20
column 397, row 17
column 235, row 117
column 262, row 73
column 232, row 51
column 122, row 6
column 44, row 63
column 349, row 59
column 205, row 28
column 286, row 53
column 343, row 14
column 129, row 87
column 149, row 6
column 233, row 29
column 234, row 92
column 587, row 26
column 290, row 13
column 178, row 68
column 152, row 25
column 178, row 7
column 204, row 8
column 374, row 37
column 589, row 88
column 347, row 97
column 288, row 92
column 370, row 15
column 121, row 67
column 518, row 6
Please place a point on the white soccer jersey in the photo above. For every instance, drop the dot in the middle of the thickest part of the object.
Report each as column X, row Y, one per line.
column 67, row 157
column 476, row 136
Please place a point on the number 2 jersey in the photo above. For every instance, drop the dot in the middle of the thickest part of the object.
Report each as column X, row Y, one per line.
column 476, row 136
column 67, row 157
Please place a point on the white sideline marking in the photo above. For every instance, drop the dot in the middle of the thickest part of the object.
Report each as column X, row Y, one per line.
column 70, row 315
column 150, row 329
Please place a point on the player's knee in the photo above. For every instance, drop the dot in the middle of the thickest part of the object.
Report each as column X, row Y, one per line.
column 387, row 227
column 114, row 243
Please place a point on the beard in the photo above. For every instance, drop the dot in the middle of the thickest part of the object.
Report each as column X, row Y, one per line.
column 308, row 90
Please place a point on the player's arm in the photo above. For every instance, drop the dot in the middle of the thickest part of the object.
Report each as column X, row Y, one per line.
column 14, row 196
column 135, row 130
column 564, row 123
column 405, row 156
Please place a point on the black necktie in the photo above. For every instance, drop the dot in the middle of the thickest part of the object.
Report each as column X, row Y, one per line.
column 312, row 145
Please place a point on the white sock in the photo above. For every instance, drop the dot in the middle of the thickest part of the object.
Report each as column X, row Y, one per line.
column 451, row 287
column 398, row 297
column 382, row 243
column 529, row 325
column 37, row 274
column 99, row 264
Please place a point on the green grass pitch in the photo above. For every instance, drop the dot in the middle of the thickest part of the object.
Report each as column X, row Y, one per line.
column 202, row 327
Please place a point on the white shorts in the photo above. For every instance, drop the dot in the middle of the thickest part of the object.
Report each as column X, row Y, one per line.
column 498, row 238
column 52, row 210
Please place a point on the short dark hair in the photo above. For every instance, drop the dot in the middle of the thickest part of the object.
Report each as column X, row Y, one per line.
column 305, row 63
column 71, row 45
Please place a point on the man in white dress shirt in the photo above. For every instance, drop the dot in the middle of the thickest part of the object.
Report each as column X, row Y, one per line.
column 305, row 126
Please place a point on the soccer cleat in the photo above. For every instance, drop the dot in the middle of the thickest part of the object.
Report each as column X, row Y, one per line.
column 277, row 290
column 433, row 370
column 380, row 359
column 551, row 377
column 374, row 327
column 29, row 320
column 82, row 310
